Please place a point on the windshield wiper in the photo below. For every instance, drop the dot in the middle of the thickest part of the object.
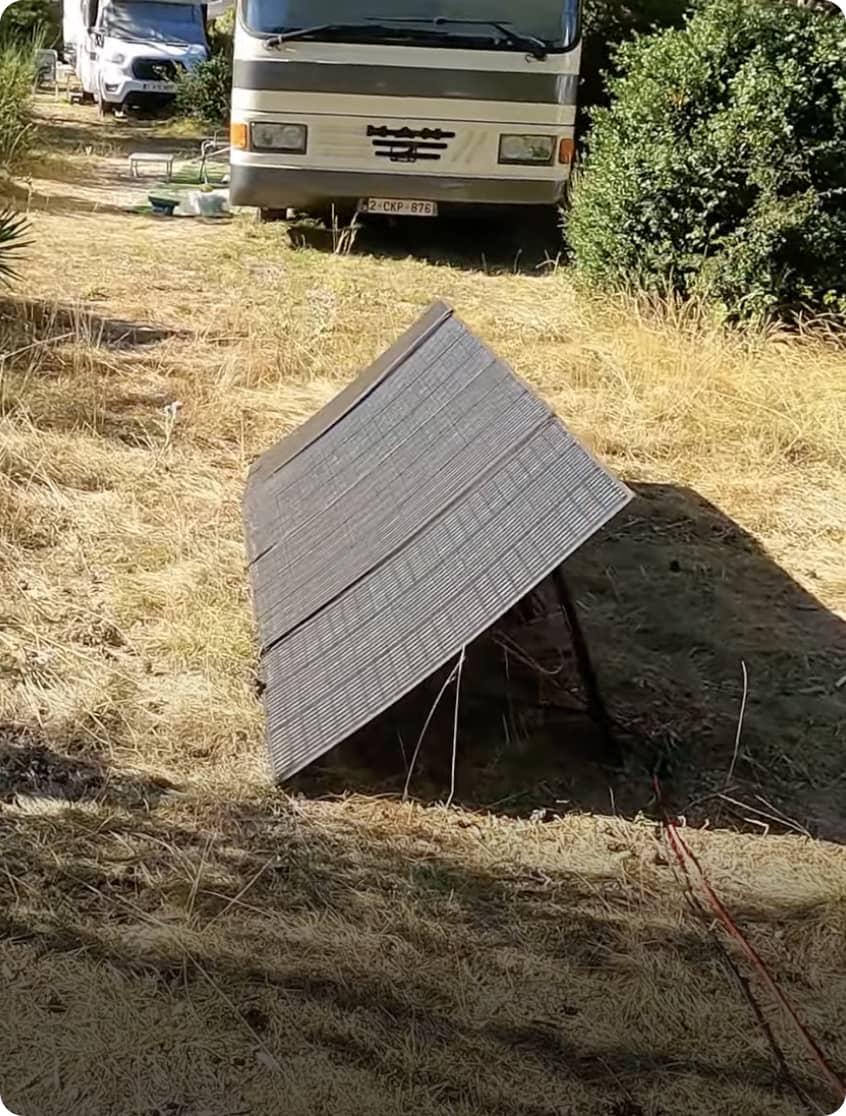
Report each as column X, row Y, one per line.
column 534, row 46
column 318, row 30
column 530, row 43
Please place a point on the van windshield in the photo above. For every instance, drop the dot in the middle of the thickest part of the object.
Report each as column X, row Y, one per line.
column 554, row 22
column 154, row 20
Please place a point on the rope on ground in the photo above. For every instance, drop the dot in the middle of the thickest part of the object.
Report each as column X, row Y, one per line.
column 687, row 859
column 698, row 907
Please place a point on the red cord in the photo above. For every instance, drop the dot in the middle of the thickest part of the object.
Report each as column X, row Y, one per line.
column 681, row 850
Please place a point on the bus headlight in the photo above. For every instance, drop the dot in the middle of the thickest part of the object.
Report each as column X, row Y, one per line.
column 266, row 136
column 526, row 149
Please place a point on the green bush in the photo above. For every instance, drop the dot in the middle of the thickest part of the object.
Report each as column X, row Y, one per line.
column 205, row 92
column 606, row 24
column 27, row 20
column 720, row 167
column 222, row 33
column 17, row 70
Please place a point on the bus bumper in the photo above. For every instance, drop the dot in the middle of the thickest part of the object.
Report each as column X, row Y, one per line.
column 283, row 188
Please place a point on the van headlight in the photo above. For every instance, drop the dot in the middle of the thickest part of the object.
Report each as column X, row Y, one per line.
column 117, row 59
column 266, row 136
column 526, row 150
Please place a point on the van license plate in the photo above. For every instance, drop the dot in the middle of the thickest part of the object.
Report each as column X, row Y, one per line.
column 158, row 87
column 396, row 207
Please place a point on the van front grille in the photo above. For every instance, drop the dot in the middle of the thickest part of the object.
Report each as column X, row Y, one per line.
column 155, row 69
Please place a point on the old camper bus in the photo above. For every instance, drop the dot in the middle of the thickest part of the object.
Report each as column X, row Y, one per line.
column 405, row 107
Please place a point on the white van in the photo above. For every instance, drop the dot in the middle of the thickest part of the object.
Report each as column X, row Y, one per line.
column 403, row 107
column 132, row 50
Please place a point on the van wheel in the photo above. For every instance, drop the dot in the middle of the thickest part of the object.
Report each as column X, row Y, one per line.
column 104, row 108
column 265, row 216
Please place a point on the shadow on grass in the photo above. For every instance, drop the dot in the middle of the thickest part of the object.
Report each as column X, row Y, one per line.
column 30, row 200
column 151, row 132
column 55, row 166
column 326, row 945
column 44, row 322
column 514, row 243
column 28, row 767
column 672, row 598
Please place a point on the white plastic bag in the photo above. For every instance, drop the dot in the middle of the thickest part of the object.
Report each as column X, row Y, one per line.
column 203, row 203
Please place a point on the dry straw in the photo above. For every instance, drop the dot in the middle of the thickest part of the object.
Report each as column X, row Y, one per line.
column 180, row 934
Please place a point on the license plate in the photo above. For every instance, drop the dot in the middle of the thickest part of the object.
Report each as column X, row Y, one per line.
column 157, row 87
column 396, row 207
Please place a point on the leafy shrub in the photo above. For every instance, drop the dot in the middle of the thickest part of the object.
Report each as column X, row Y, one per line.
column 17, row 69
column 13, row 239
column 606, row 24
column 205, row 92
column 27, row 20
column 719, row 167
column 222, row 32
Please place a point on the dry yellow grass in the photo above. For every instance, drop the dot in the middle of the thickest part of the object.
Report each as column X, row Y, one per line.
column 177, row 933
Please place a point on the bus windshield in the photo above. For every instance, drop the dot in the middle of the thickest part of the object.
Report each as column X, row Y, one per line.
column 553, row 22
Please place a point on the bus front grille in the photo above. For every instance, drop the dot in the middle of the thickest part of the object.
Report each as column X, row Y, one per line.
column 408, row 145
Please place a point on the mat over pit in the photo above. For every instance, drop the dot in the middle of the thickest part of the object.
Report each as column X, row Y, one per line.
column 399, row 523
